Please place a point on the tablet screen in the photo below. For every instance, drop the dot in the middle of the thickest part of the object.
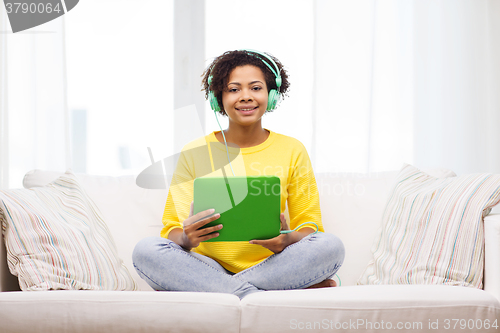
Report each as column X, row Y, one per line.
column 249, row 207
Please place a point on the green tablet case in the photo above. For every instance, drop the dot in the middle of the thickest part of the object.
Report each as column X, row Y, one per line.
column 249, row 207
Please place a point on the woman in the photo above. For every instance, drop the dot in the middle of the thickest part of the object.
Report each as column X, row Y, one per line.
column 243, row 85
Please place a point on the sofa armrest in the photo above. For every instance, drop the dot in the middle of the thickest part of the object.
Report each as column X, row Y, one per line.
column 491, row 281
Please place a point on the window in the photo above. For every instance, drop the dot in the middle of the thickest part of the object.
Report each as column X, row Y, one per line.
column 120, row 83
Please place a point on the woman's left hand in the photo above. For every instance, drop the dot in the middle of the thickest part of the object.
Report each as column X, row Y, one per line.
column 279, row 243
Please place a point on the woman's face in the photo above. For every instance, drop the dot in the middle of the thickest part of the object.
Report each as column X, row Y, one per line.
column 245, row 97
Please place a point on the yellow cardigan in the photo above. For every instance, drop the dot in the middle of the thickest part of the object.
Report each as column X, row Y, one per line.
column 280, row 155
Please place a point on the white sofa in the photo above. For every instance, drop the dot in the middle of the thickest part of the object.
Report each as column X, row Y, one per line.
column 352, row 206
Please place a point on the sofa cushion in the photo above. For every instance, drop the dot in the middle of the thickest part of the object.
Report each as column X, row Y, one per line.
column 118, row 312
column 131, row 213
column 384, row 308
column 56, row 238
column 352, row 205
column 433, row 230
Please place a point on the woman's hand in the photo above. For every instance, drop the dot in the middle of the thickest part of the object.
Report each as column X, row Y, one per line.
column 279, row 243
column 191, row 235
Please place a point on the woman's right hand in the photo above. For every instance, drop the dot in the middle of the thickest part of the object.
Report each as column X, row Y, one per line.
column 192, row 235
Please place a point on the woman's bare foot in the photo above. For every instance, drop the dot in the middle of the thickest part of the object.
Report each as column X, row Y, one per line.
column 324, row 284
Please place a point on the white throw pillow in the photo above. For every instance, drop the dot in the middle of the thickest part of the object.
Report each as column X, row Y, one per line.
column 56, row 238
column 432, row 230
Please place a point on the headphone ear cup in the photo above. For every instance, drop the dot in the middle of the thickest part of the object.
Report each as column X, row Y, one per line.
column 272, row 99
column 213, row 101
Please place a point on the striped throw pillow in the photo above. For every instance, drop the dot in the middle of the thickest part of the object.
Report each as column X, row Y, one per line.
column 56, row 238
column 432, row 230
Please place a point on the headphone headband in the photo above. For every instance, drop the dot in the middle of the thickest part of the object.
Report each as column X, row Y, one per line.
column 275, row 72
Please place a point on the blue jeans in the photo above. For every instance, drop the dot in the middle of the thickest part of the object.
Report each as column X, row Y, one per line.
column 166, row 266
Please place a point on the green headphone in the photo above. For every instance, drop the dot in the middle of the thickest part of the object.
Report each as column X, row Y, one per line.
column 274, row 94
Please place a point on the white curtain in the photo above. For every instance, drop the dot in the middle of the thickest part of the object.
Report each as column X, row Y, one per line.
column 90, row 90
column 457, row 84
column 4, row 162
column 407, row 81
column 375, row 83
column 35, row 123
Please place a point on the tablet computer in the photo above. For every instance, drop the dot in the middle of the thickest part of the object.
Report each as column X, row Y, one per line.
column 249, row 207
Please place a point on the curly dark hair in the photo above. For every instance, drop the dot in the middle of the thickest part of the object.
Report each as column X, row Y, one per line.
column 221, row 68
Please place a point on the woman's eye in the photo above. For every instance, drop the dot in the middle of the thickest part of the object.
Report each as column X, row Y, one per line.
column 257, row 88
column 232, row 89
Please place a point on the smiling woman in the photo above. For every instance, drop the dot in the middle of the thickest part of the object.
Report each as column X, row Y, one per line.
column 245, row 83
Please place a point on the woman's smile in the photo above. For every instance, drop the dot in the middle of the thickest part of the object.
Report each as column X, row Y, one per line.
column 247, row 110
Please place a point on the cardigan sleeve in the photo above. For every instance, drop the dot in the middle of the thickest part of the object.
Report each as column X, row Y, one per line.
column 303, row 197
column 180, row 195
column 194, row 161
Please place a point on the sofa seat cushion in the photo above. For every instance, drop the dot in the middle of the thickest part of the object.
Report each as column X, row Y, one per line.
column 378, row 308
column 118, row 311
